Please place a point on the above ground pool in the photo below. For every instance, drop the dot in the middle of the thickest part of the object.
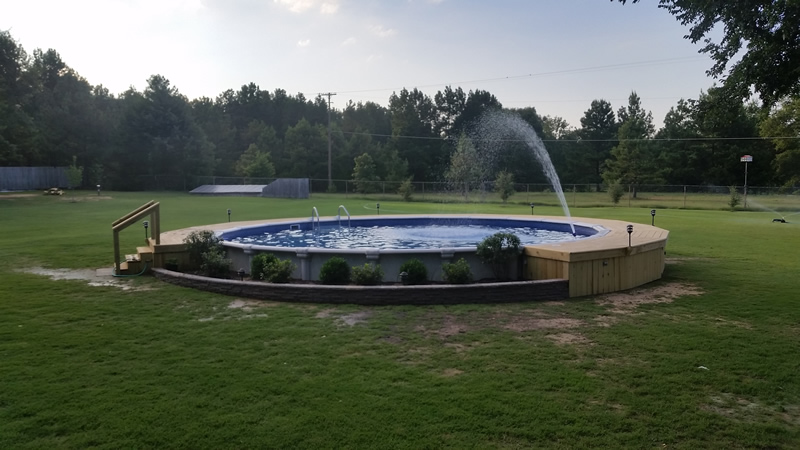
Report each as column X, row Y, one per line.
column 402, row 233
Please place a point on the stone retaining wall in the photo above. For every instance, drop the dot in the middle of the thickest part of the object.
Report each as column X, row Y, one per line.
column 436, row 294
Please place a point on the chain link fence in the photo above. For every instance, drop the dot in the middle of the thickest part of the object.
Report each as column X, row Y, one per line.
column 576, row 195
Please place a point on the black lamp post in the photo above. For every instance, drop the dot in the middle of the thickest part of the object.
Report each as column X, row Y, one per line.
column 653, row 220
column 229, row 214
column 378, row 206
column 146, row 224
column 630, row 231
column 241, row 274
column 531, row 208
column 98, row 189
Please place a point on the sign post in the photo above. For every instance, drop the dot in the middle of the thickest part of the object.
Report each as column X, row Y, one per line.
column 745, row 159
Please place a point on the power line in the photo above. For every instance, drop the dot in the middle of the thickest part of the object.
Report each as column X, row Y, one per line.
column 578, row 140
column 538, row 74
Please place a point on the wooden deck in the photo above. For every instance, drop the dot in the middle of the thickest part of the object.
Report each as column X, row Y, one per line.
column 594, row 265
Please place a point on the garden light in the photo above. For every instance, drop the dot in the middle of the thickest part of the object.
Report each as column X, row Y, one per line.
column 98, row 189
column 378, row 206
column 531, row 208
column 241, row 274
column 630, row 231
column 146, row 224
column 229, row 214
column 653, row 220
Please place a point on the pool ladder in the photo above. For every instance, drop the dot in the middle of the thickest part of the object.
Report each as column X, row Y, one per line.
column 339, row 216
column 314, row 212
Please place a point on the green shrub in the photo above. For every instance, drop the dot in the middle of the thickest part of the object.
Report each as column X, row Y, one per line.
column 335, row 271
column 457, row 272
column 406, row 190
column 615, row 192
column 200, row 242
column 258, row 263
column 214, row 264
column 279, row 271
column 367, row 275
column 416, row 270
column 734, row 199
column 498, row 250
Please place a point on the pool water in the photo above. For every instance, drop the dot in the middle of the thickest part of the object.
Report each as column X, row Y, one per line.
column 399, row 236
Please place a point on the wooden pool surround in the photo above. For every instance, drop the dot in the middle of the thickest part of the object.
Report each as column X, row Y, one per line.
column 595, row 265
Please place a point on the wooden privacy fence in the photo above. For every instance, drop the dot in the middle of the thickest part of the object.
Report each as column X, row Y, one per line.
column 30, row 178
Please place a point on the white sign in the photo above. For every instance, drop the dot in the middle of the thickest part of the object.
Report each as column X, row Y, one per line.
column 747, row 158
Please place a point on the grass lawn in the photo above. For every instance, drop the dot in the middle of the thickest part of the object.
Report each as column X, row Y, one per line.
column 708, row 357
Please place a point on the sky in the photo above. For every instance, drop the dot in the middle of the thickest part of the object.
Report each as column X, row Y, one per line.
column 554, row 55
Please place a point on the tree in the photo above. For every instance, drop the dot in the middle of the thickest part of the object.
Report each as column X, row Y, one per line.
column 770, row 30
column 504, row 185
column 365, row 174
column 597, row 136
column 681, row 150
column 465, row 168
column 785, row 121
column 255, row 163
column 633, row 160
column 74, row 173
column 413, row 116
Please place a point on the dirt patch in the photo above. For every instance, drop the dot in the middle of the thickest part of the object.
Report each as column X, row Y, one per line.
column 521, row 324
column 88, row 198
column 350, row 320
column 751, row 410
column 627, row 302
column 451, row 372
column 92, row 277
column 569, row 339
column 2, row 196
column 247, row 305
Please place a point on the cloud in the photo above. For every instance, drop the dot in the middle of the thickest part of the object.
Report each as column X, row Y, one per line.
column 329, row 8
column 304, row 43
column 349, row 41
column 379, row 31
column 301, row 6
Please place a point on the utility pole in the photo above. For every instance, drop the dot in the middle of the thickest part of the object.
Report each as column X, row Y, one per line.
column 330, row 176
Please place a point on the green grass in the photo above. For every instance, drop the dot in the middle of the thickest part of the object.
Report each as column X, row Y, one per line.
column 162, row 366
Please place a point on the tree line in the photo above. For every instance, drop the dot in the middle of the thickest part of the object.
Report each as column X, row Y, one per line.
column 51, row 116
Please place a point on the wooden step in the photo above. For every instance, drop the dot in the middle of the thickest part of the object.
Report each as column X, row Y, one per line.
column 145, row 253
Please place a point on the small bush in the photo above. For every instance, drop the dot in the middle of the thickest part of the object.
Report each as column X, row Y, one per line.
column 615, row 192
column 498, row 250
column 335, row 271
column 258, row 263
column 406, row 190
column 367, row 275
column 215, row 265
column 416, row 270
column 457, row 272
column 278, row 271
column 734, row 199
column 199, row 243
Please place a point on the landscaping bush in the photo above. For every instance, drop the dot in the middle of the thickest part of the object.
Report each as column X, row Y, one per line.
column 498, row 250
column 457, row 272
column 416, row 270
column 200, row 242
column 214, row 264
column 258, row 263
column 335, row 271
column 367, row 275
column 278, row 271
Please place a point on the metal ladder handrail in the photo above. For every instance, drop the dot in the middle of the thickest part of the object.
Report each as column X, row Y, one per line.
column 339, row 215
column 314, row 212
